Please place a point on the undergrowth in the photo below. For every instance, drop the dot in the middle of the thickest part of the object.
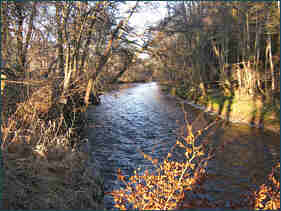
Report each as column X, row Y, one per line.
column 268, row 195
column 46, row 162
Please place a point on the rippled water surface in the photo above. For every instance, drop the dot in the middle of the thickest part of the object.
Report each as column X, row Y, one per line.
column 142, row 118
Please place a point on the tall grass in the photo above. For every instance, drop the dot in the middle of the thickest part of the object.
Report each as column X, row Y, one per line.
column 46, row 165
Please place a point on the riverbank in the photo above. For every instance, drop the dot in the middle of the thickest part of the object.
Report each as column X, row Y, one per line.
column 46, row 156
column 237, row 109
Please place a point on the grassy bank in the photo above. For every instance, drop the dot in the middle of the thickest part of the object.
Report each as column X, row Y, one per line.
column 234, row 107
column 46, row 158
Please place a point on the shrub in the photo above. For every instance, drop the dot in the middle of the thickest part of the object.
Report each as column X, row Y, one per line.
column 44, row 164
column 167, row 187
column 164, row 188
column 268, row 195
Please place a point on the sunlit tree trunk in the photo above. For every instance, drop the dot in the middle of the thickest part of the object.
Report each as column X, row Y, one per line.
column 257, row 48
column 101, row 64
column 67, row 70
column 269, row 55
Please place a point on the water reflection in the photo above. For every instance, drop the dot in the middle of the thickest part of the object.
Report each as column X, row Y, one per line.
column 142, row 118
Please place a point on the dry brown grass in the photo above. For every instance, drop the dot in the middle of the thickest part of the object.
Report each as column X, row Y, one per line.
column 45, row 166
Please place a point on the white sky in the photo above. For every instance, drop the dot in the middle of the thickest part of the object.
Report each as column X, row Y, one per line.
column 145, row 16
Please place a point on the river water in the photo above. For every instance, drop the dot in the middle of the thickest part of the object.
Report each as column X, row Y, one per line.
column 142, row 118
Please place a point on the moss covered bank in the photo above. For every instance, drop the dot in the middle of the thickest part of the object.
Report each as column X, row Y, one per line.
column 252, row 110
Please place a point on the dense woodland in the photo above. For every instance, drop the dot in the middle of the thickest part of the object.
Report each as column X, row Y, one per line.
column 230, row 44
column 71, row 42
column 59, row 56
column 200, row 44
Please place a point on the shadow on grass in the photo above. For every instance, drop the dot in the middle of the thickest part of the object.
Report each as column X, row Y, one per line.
column 224, row 101
column 267, row 114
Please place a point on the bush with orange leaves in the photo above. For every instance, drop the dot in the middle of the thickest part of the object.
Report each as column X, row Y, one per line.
column 268, row 196
column 164, row 188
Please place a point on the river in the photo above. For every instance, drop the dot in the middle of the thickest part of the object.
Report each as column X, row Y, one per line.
column 141, row 117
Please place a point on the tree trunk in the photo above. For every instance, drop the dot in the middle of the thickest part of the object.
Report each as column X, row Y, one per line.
column 273, row 86
column 20, row 20
column 60, row 37
column 257, row 58
column 4, row 33
column 67, row 71
column 102, row 62
column 29, row 32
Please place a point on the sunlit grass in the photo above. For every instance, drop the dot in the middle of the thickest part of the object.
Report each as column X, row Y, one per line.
column 44, row 164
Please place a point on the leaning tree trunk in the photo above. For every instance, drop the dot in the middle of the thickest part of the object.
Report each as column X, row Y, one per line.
column 101, row 64
column 105, row 56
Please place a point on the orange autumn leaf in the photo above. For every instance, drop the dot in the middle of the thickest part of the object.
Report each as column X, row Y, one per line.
column 119, row 175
